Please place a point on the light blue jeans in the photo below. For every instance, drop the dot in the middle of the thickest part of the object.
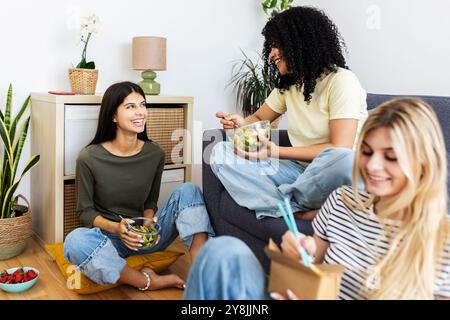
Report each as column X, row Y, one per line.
column 100, row 255
column 260, row 185
column 226, row 269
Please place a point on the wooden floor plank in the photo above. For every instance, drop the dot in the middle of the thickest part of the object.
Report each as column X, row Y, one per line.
column 52, row 285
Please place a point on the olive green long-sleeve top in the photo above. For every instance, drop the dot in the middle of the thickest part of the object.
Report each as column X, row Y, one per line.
column 111, row 185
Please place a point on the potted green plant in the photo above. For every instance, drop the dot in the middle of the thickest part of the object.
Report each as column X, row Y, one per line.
column 272, row 7
column 15, row 219
column 83, row 78
column 251, row 83
column 250, row 80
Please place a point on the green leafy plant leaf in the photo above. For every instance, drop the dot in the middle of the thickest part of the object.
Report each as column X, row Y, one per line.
column 8, row 107
column 272, row 7
column 12, row 129
column 8, row 202
column 82, row 63
column 13, row 138
column 90, row 65
column 17, row 148
column 251, row 84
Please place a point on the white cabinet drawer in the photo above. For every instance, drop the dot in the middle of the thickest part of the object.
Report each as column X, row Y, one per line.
column 80, row 125
column 169, row 181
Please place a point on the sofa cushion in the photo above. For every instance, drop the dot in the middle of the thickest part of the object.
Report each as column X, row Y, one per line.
column 157, row 261
column 441, row 106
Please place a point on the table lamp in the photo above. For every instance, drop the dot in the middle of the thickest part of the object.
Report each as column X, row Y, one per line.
column 149, row 54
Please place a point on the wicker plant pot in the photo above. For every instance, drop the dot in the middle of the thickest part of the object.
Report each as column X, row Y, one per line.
column 83, row 81
column 14, row 232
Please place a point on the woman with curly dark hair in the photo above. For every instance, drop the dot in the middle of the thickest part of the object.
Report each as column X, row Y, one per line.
column 325, row 107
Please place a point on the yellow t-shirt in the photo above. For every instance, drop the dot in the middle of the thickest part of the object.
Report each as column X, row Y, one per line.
column 337, row 95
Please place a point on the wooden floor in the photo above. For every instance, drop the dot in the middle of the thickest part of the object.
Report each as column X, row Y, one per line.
column 52, row 285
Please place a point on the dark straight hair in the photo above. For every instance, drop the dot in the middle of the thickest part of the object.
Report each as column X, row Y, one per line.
column 112, row 99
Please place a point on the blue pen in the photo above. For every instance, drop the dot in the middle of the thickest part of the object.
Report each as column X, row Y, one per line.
column 305, row 257
column 285, row 217
column 303, row 254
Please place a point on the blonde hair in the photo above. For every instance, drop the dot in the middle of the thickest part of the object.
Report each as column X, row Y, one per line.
column 408, row 270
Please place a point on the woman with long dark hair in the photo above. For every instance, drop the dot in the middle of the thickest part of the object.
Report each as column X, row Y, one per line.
column 325, row 107
column 118, row 178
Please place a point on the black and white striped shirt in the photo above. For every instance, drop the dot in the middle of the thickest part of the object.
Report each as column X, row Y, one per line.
column 356, row 240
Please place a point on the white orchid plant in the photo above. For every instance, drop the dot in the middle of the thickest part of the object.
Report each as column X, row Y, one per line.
column 88, row 28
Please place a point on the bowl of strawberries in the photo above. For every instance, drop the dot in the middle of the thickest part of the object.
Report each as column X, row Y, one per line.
column 20, row 279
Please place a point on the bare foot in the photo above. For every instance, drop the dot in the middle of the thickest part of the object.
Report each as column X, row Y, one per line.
column 309, row 215
column 166, row 281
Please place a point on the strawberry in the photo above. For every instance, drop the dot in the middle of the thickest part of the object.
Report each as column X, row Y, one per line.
column 31, row 274
column 18, row 279
column 10, row 279
column 18, row 272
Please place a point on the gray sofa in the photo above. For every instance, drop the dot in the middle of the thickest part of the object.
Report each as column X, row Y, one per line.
column 228, row 218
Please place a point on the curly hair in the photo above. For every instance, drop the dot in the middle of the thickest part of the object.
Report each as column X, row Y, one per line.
column 309, row 42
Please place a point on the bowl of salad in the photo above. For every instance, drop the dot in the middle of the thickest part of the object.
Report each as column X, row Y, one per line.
column 248, row 137
column 148, row 229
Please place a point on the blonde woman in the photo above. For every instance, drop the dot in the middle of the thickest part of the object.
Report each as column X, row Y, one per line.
column 393, row 237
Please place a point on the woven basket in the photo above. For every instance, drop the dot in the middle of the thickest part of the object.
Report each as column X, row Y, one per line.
column 14, row 232
column 163, row 125
column 83, row 81
column 71, row 217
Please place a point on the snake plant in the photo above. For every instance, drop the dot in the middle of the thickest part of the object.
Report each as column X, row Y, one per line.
column 13, row 138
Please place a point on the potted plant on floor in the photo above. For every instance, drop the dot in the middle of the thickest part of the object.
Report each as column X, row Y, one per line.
column 15, row 219
column 83, row 78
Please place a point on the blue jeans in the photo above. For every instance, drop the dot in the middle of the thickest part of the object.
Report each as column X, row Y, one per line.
column 260, row 185
column 226, row 269
column 100, row 255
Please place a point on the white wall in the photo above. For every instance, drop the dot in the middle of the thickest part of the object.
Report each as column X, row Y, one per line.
column 39, row 44
column 395, row 46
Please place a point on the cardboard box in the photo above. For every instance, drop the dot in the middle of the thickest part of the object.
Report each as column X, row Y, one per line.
column 307, row 284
